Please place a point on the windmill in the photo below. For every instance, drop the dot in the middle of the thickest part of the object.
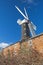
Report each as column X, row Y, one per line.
column 27, row 26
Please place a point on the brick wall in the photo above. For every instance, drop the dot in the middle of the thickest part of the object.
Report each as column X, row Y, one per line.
column 36, row 43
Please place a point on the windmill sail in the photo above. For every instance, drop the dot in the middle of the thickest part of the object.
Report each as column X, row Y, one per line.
column 31, row 28
column 34, row 27
column 21, row 12
column 26, row 13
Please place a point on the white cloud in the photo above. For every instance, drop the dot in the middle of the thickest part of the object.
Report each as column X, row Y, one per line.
column 3, row 45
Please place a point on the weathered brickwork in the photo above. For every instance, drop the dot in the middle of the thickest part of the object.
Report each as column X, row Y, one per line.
column 36, row 43
column 13, row 48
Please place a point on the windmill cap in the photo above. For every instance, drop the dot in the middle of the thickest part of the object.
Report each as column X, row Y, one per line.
column 20, row 22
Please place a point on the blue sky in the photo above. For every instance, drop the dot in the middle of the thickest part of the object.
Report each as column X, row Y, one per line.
column 10, row 31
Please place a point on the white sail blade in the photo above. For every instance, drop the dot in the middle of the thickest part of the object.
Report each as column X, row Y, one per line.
column 21, row 12
column 31, row 30
column 34, row 27
column 25, row 13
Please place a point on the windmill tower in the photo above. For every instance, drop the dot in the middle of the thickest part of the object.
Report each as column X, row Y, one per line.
column 25, row 30
column 27, row 26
